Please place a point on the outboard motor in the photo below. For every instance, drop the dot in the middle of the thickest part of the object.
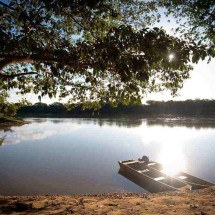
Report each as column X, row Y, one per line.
column 145, row 159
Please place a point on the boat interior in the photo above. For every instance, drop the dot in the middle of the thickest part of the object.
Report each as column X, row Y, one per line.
column 155, row 174
column 182, row 176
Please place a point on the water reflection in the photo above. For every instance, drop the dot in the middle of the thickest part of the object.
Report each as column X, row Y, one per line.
column 172, row 144
column 120, row 122
column 2, row 140
column 8, row 129
column 74, row 156
column 38, row 130
column 43, row 128
column 189, row 122
column 172, row 158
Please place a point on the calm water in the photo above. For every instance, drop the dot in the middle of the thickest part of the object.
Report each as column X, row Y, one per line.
column 76, row 156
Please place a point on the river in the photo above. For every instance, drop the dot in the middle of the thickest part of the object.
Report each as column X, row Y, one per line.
column 80, row 156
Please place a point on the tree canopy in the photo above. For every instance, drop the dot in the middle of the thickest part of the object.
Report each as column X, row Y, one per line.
column 98, row 52
column 8, row 108
column 196, row 19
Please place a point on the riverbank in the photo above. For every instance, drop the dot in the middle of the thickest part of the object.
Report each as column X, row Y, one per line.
column 7, row 122
column 189, row 202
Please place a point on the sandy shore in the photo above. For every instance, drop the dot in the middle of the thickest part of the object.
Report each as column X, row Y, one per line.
column 188, row 202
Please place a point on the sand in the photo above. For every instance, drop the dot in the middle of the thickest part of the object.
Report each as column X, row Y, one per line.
column 187, row 202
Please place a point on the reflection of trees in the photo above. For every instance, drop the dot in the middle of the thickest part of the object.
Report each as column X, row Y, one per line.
column 120, row 122
column 57, row 121
column 8, row 129
column 39, row 120
column 2, row 140
column 186, row 122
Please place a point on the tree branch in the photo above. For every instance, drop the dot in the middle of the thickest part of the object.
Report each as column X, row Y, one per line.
column 4, row 14
column 7, row 6
column 3, row 76
column 13, row 59
column 8, row 61
column 84, row 28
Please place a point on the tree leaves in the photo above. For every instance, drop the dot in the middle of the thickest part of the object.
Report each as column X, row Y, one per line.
column 198, row 23
column 95, row 52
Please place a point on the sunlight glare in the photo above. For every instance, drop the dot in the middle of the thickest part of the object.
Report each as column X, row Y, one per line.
column 171, row 141
column 171, row 57
column 171, row 156
column 172, row 161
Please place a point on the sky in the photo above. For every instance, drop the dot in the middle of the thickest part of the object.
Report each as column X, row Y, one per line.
column 199, row 86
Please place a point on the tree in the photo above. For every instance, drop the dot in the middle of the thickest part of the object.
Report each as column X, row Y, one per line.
column 8, row 108
column 96, row 52
column 57, row 107
column 196, row 19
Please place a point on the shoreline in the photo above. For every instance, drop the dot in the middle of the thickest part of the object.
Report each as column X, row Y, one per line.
column 188, row 202
column 7, row 122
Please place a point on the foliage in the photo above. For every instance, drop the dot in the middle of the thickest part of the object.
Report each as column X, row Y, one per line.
column 1, row 140
column 196, row 19
column 95, row 52
column 9, row 108
column 178, row 108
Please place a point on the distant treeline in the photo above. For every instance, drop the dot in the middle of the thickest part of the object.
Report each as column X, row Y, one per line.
column 176, row 108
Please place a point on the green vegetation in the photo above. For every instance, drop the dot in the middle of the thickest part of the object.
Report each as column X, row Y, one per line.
column 99, row 52
column 7, row 122
column 1, row 140
column 153, row 108
column 198, row 23
column 9, row 108
column 8, row 111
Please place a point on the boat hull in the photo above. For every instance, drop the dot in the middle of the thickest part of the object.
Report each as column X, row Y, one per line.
column 153, row 179
column 143, row 181
column 194, row 182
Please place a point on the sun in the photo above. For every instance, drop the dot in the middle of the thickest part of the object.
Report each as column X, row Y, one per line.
column 171, row 57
